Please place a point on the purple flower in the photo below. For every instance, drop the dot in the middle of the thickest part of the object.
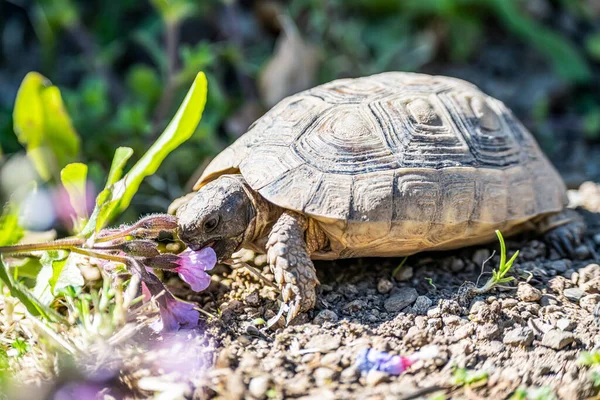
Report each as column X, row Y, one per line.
column 369, row 359
column 193, row 266
column 175, row 314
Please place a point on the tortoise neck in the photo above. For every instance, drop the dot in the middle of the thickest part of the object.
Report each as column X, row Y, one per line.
column 265, row 215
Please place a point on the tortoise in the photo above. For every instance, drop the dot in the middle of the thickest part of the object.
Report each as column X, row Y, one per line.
column 385, row 165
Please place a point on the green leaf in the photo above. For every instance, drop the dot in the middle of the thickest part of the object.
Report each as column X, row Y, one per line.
column 73, row 178
column 511, row 261
column 117, row 196
column 180, row 129
column 53, row 262
column 502, row 249
column 10, row 230
column 42, row 125
column 122, row 155
column 33, row 305
column 68, row 276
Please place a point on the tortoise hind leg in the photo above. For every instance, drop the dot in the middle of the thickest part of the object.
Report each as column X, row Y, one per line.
column 563, row 231
column 289, row 259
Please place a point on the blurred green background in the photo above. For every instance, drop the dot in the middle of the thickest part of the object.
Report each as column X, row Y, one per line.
column 124, row 66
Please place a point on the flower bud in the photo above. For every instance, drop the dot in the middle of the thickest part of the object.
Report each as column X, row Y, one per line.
column 152, row 225
column 162, row 261
column 139, row 248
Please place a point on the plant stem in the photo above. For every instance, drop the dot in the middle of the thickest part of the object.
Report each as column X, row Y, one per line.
column 62, row 244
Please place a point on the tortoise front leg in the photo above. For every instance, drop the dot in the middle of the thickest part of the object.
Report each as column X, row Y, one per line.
column 289, row 259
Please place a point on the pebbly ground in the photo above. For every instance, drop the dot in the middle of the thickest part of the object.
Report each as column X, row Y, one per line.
column 529, row 334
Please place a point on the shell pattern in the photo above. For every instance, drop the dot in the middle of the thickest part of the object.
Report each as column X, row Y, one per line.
column 397, row 155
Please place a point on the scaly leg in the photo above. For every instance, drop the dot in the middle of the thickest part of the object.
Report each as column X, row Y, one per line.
column 289, row 259
column 563, row 230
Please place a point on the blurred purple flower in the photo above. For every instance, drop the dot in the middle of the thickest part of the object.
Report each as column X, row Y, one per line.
column 193, row 266
column 63, row 206
column 175, row 314
column 87, row 391
column 369, row 359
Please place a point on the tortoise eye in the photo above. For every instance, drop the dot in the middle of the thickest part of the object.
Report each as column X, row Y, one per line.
column 211, row 223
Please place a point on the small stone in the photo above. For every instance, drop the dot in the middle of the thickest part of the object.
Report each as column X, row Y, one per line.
column 384, row 286
column 519, row 336
column 477, row 306
column 597, row 238
column 421, row 305
column 331, row 359
column 589, row 272
column 434, row 312
column 258, row 386
column 565, row 324
column 557, row 340
column 399, row 301
column 323, row 376
column 546, row 301
column 325, row 316
column 350, row 375
column 434, row 323
column 488, row 331
column 375, row 377
column 235, row 385
column 559, row 266
column 451, row 320
column 297, row 386
column 582, row 252
column 354, row 306
column 464, row 331
column 406, row 273
column 509, row 303
column 573, row 294
column 526, row 292
column 324, row 343
column 457, row 265
column 589, row 302
column 480, row 256
column 253, row 299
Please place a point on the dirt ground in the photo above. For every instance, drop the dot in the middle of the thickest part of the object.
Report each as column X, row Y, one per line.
column 527, row 335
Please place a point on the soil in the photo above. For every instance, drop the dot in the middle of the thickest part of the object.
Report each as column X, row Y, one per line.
column 527, row 334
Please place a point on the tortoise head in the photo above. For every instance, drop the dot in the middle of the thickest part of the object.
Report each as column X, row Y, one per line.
column 216, row 216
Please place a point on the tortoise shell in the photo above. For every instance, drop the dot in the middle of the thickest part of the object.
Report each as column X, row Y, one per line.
column 402, row 159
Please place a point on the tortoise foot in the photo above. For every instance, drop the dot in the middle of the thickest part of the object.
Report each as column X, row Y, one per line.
column 291, row 264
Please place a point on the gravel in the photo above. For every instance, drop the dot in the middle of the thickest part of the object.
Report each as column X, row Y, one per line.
column 557, row 339
column 401, row 300
column 520, row 336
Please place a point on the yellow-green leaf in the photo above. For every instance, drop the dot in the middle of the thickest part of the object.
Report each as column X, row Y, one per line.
column 42, row 125
column 73, row 178
column 117, row 196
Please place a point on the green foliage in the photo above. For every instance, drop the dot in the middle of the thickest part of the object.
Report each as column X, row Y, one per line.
column 117, row 195
column 19, row 291
column 74, row 180
column 499, row 275
column 541, row 393
column 399, row 267
column 590, row 359
column 59, row 272
column 43, row 126
column 21, row 346
column 10, row 230
column 465, row 377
